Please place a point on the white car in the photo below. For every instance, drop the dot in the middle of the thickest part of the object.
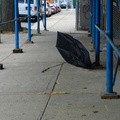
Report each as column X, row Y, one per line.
column 53, row 7
column 23, row 8
column 48, row 8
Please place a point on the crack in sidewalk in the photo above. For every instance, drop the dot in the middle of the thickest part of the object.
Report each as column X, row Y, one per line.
column 45, row 108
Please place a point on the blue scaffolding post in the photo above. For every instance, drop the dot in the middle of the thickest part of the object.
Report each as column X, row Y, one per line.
column 38, row 16
column 97, row 36
column 119, row 4
column 45, row 15
column 91, row 14
column 29, row 23
column 93, row 20
column 16, row 26
column 109, row 53
column 110, row 94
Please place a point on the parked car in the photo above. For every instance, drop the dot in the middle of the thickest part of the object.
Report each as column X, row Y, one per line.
column 58, row 7
column 23, row 8
column 65, row 4
column 53, row 8
column 48, row 8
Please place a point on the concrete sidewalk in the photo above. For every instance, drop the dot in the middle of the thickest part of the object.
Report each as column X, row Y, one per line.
column 64, row 92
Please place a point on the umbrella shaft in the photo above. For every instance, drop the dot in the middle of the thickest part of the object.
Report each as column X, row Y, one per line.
column 57, row 65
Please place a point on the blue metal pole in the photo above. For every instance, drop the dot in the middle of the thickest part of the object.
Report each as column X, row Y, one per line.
column 97, row 39
column 109, row 53
column 16, row 24
column 91, row 16
column 119, row 4
column 110, row 41
column 29, row 21
column 44, row 14
column 38, row 16
column 93, row 21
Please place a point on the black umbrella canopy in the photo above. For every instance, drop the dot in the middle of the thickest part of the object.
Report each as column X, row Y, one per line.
column 72, row 50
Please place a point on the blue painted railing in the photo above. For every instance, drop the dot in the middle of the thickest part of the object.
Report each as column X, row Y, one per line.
column 117, row 52
column 110, row 41
column 95, row 31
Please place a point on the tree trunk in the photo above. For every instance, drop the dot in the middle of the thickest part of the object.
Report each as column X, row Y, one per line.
column 8, row 14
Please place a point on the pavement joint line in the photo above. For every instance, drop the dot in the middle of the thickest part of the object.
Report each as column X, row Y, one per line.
column 37, row 93
column 11, row 54
column 45, row 108
column 6, row 57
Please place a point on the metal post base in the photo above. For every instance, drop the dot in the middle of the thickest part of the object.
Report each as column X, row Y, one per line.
column 110, row 96
column 29, row 42
column 92, row 50
column 46, row 30
column 97, row 66
column 1, row 66
column 17, row 51
column 89, row 35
